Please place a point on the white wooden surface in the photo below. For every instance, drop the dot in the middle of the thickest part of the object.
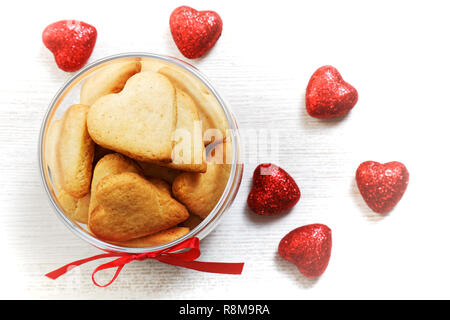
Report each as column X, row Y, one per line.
column 395, row 53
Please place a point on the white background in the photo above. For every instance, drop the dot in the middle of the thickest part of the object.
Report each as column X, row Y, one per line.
column 395, row 53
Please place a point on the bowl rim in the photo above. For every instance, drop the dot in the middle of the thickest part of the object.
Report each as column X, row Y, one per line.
column 227, row 197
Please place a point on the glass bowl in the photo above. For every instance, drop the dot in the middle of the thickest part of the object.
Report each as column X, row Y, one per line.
column 69, row 94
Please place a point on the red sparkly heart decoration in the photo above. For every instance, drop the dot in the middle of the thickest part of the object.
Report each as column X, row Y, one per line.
column 309, row 248
column 382, row 185
column 328, row 95
column 195, row 32
column 71, row 42
column 273, row 191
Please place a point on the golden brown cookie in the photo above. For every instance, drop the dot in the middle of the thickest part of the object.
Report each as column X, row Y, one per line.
column 153, row 65
column 200, row 192
column 132, row 207
column 156, row 239
column 75, row 152
column 51, row 159
column 109, row 79
column 189, row 151
column 112, row 163
column 153, row 170
column 139, row 121
column 214, row 121
column 75, row 209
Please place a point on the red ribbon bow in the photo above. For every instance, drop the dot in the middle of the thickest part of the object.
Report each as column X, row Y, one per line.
column 169, row 256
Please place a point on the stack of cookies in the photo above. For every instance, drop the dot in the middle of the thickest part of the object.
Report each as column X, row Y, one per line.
column 130, row 160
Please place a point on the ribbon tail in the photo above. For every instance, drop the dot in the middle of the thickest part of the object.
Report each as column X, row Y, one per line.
column 55, row 274
column 212, row 267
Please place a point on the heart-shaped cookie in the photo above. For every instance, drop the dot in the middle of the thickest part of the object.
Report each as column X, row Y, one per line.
column 75, row 152
column 188, row 152
column 75, row 208
column 194, row 32
column 328, row 95
column 200, row 192
column 274, row 190
column 382, row 185
column 309, row 248
column 131, row 207
column 112, row 163
column 139, row 120
column 109, row 79
column 214, row 122
column 71, row 43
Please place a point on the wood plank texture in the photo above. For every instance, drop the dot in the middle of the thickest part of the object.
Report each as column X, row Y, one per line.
column 394, row 53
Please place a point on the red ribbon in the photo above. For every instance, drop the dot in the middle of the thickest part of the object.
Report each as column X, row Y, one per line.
column 169, row 256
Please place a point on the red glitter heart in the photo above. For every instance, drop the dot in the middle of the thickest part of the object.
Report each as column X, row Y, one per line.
column 328, row 95
column 273, row 191
column 71, row 42
column 195, row 32
column 382, row 185
column 309, row 248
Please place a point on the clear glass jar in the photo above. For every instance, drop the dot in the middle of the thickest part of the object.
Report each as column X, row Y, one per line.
column 69, row 94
